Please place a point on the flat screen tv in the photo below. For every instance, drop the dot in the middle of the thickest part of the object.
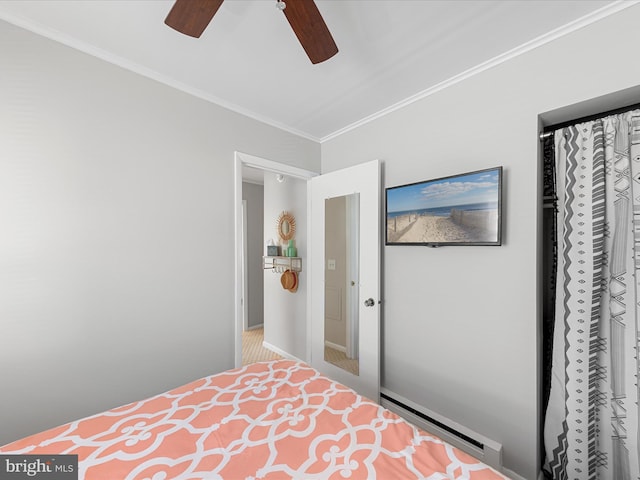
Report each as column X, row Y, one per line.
column 464, row 209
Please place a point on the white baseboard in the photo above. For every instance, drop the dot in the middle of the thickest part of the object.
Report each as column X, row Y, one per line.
column 514, row 476
column 474, row 443
column 281, row 352
column 255, row 327
column 335, row 346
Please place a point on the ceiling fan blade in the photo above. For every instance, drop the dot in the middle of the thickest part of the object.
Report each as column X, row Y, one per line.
column 308, row 25
column 191, row 17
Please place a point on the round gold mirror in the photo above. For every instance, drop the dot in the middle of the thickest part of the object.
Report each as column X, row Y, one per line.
column 286, row 226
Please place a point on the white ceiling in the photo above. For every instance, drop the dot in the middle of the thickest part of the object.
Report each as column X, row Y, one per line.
column 249, row 60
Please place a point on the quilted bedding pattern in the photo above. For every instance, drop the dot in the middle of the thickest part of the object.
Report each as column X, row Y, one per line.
column 271, row 420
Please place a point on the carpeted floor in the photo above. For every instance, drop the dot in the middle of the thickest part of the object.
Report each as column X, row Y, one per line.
column 339, row 359
column 252, row 349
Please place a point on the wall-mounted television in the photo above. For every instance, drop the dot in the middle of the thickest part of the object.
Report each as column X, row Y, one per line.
column 463, row 209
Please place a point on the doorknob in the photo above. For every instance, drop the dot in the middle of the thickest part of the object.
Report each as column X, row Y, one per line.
column 369, row 302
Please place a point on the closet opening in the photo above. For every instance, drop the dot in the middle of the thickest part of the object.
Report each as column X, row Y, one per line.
column 590, row 185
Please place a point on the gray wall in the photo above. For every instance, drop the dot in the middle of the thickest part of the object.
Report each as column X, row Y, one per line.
column 285, row 322
column 116, row 220
column 461, row 324
column 254, row 195
column 116, row 213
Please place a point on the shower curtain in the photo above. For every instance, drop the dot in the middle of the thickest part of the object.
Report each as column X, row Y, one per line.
column 591, row 425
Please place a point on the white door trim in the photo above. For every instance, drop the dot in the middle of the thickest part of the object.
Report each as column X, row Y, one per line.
column 245, row 257
column 244, row 159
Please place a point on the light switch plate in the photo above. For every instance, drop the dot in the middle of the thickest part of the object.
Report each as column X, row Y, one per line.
column 331, row 264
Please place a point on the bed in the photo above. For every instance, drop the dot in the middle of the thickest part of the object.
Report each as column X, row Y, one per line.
column 268, row 420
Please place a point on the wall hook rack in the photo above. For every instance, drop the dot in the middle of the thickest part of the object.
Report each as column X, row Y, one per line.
column 282, row 264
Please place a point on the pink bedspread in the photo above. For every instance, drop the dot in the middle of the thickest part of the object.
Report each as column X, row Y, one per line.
column 271, row 420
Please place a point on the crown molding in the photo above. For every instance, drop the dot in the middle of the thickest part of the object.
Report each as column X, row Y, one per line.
column 84, row 47
column 577, row 24
column 76, row 44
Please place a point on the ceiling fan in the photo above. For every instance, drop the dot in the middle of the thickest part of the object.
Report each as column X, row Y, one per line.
column 191, row 17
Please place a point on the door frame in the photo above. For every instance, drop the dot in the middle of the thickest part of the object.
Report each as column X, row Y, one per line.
column 245, row 279
column 240, row 160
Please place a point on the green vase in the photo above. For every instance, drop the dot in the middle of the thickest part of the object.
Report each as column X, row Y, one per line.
column 291, row 250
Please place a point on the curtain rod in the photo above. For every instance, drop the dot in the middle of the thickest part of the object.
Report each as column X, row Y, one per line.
column 544, row 135
column 548, row 130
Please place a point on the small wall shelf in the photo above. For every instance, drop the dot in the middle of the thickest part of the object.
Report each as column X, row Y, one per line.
column 280, row 264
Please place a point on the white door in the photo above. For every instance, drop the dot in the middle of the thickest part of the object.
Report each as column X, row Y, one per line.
column 362, row 184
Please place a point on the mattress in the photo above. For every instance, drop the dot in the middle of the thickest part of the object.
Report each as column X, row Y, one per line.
column 268, row 420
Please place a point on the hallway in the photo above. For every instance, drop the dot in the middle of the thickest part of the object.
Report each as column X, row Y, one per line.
column 252, row 349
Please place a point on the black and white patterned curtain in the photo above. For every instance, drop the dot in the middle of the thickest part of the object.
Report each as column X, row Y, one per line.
column 591, row 425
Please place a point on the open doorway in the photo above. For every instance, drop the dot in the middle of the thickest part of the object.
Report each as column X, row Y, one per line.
column 285, row 318
column 253, row 349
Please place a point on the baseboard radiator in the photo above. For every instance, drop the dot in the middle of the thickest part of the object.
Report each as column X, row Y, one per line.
column 481, row 447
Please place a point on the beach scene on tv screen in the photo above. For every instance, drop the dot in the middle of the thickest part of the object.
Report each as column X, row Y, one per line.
column 460, row 209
